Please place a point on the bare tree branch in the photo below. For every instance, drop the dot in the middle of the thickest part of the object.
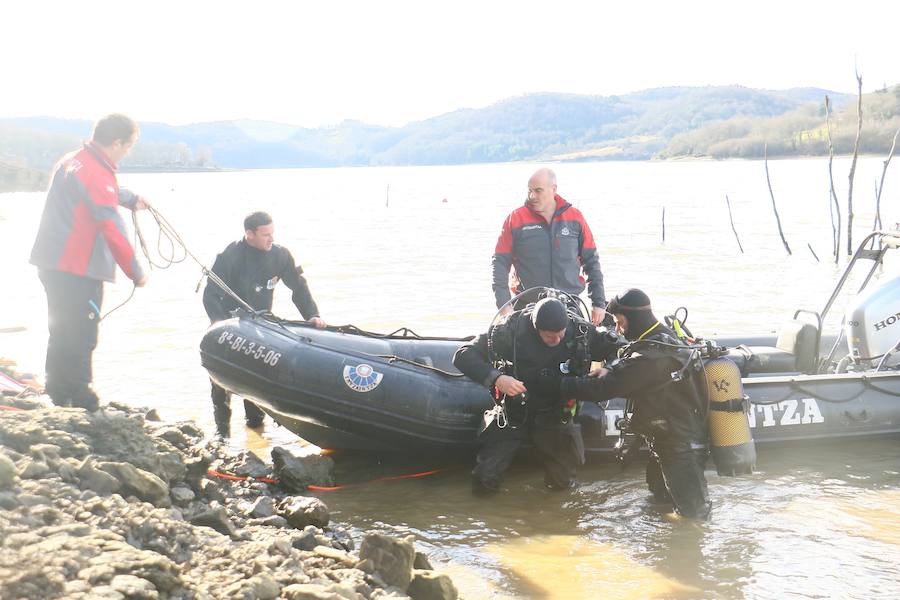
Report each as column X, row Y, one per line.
column 853, row 166
column 772, row 195
column 836, row 207
column 732, row 224
column 877, row 224
column 816, row 256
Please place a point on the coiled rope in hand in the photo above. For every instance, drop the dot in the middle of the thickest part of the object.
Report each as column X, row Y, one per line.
column 171, row 250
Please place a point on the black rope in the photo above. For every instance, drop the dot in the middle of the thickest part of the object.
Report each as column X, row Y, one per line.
column 392, row 358
column 799, row 389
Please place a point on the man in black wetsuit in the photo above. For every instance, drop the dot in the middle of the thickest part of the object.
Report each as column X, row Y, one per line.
column 252, row 267
column 509, row 360
column 667, row 395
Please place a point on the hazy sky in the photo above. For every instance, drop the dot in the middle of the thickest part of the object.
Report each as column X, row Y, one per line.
column 317, row 63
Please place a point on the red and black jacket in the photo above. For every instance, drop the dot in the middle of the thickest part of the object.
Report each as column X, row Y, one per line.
column 81, row 230
column 547, row 254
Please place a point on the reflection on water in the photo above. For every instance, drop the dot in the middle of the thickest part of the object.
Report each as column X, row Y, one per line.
column 813, row 523
column 562, row 566
column 873, row 515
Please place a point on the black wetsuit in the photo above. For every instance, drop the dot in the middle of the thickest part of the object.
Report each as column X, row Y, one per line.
column 542, row 420
column 671, row 415
column 252, row 274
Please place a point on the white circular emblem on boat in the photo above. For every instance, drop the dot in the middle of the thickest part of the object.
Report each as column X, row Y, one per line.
column 362, row 377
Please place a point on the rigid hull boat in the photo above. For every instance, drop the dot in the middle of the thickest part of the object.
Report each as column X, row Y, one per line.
column 343, row 388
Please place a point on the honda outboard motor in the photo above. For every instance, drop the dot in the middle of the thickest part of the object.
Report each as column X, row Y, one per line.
column 872, row 323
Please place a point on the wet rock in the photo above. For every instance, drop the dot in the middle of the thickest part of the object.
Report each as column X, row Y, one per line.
column 134, row 587
column 341, row 538
column 273, row 521
column 310, row 591
column 306, row 540
column 45, row 452
column 262, row 586
column 430, row 585
column 216, row 518
column 301, row 511
column 182, row 495
column 213, row 491
column 248, row 464
column 33, row 469
column 93, row 479
column 422, row 563
column 335, row 554
column 8, row 472
column 138, row 482
column 262, row 508
column 295, row 472
column 196, row 469
column 392, row 559
column 152, row 415
column 8, row 501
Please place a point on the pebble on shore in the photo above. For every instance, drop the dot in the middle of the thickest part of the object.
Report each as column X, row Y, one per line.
column 116, row 504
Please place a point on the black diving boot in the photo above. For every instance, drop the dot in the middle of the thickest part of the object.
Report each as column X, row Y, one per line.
column 86, row 399
column 222, row 416
column 254, row 415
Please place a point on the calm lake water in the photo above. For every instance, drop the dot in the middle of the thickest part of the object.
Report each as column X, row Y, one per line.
column 389, row 247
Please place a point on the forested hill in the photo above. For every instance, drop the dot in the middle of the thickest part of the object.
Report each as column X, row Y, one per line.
column 535, row 126
column 800, row 132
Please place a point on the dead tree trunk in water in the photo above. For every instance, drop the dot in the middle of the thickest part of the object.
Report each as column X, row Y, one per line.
column 772, row 195
column 728, row 202
column 853, row 166
column 836, row 207
column 877, row 224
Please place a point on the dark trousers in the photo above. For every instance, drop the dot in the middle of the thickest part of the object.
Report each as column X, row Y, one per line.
column 221, row 399
column 73, row 307
column 675, row 474
column 559, row 447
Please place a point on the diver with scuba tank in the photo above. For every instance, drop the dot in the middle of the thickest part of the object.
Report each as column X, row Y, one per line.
column 662, row 376
column 510, row 359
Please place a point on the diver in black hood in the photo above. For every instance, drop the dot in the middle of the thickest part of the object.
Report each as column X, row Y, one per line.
column 671, row 413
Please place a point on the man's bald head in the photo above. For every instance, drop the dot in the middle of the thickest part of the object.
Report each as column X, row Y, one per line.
column 542, row 191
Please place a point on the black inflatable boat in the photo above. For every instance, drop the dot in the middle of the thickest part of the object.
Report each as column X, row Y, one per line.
column 345, row 388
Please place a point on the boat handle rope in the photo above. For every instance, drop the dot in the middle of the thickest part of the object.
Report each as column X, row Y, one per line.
column 797, row 388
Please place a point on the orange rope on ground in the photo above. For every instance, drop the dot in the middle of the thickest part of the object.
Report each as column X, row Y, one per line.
column 320, row 488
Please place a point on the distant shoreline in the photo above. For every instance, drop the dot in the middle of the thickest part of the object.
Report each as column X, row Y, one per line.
column 173, row 169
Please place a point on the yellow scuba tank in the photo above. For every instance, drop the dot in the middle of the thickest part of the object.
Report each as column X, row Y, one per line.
column 733, row 449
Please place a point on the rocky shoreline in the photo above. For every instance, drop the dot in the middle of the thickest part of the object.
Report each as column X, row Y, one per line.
column 117, row 504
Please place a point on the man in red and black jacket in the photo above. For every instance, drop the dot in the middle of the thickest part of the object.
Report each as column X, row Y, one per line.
column 549, row 243
column 80, row 240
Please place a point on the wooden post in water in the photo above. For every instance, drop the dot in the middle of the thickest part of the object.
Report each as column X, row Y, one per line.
column 732, row 224
column 772, row 195
column 664, row 225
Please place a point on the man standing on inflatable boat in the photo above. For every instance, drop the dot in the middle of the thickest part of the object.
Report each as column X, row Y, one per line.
column 539, row 340
column 548, row 243
column 252, row 267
